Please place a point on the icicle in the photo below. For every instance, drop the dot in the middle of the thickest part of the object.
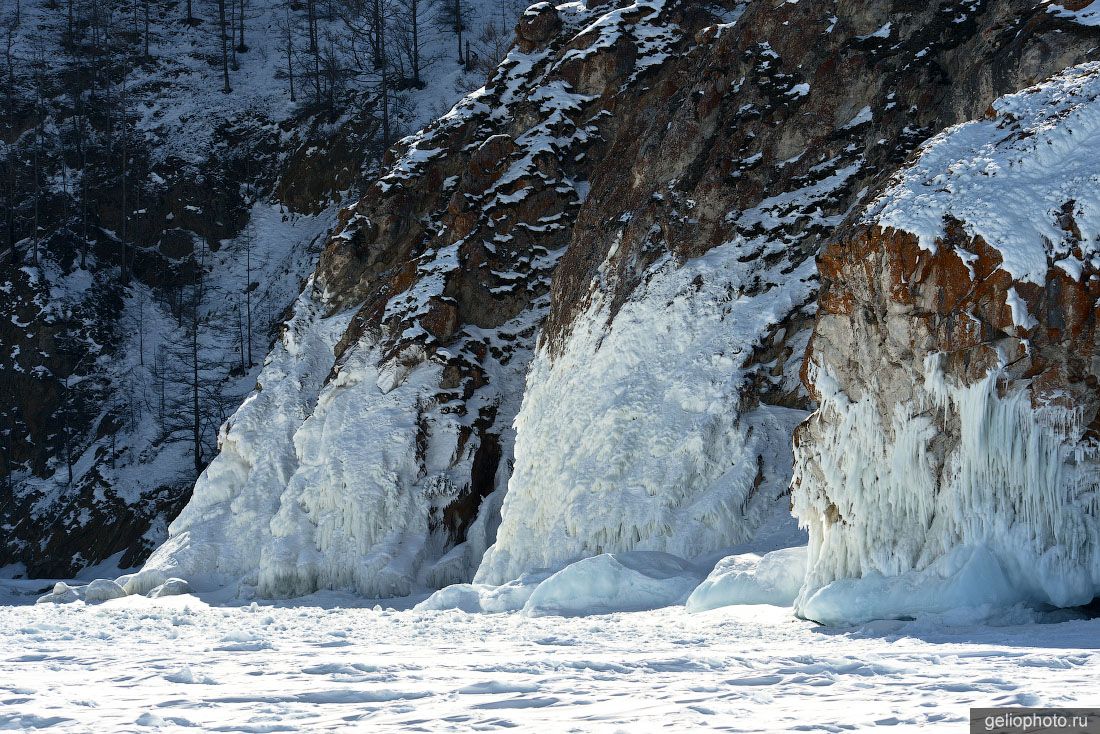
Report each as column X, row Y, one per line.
column 1016, row 480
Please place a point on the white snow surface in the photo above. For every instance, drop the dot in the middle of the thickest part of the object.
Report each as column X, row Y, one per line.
column 180, row 664
column 632, row 437
column 1007, row 178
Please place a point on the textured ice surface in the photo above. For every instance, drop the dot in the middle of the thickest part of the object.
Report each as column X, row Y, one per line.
column 177, row 664
column 474, row 598
column 103, row 590
column 774, row 578
column 632, row 438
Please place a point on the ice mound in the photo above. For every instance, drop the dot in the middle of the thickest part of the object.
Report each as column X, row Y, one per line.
column 474, row 598
column 171, row 587
column 614, row 582
column 774, row 578
column 62, row 594
column 968, row 582
column 103, row 590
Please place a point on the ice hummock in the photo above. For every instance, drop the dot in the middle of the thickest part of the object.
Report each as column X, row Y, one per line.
column 774, row 578
column 614, row 582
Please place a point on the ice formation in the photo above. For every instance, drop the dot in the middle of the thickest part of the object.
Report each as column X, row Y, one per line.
column 218, row 538
column 103, row 590
column 878, row 501
column 774, row 578
column 603, row 584
column 614, row 582
column 633, row 438
column 965, row 585
column 322, row 482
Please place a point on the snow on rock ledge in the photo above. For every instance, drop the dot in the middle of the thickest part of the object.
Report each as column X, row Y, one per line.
column 955, row 364
column 633, row 438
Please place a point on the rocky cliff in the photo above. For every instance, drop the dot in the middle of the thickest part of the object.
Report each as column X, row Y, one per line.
column 954, row 357
column 570, row 317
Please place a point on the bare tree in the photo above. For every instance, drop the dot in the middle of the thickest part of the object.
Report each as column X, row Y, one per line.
column 285, row 26
column 11, row 28
column 226, row 89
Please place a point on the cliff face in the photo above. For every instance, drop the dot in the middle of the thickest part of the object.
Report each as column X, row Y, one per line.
column 954, row 356
column 576, row 305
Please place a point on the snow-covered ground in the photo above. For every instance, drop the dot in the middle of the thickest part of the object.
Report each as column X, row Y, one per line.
column 178, row 663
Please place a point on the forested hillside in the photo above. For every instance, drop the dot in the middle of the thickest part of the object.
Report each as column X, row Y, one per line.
column 167, row 168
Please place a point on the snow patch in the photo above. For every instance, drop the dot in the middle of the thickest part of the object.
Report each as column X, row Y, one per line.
column 1089, row 15
column 1009, row 179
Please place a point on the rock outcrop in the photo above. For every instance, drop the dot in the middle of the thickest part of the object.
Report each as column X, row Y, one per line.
column 955, row 359
column 612, row 246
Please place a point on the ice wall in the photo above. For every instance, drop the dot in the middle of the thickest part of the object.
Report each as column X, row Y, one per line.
column 219, row 535
column 328, row 483
column 634, row 437
column 889, row 500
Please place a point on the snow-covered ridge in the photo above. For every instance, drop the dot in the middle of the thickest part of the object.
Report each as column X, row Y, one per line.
column 1010, row 178
column 1087, row 15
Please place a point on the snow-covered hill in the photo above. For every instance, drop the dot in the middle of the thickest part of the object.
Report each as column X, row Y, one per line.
column 150, row 206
